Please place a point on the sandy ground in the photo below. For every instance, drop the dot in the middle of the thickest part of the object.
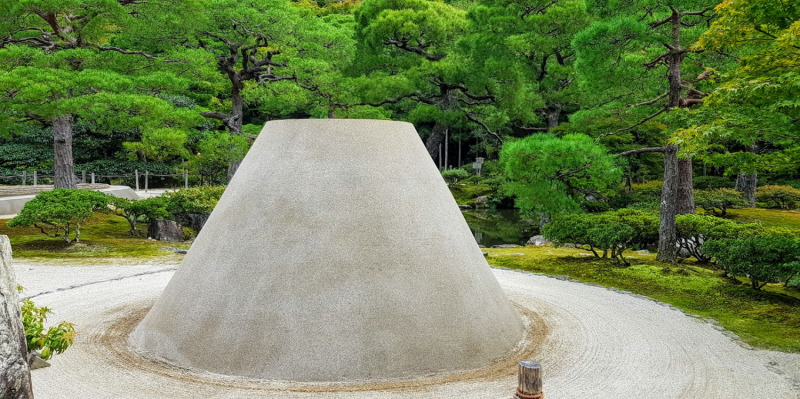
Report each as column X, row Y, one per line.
column 593, row 343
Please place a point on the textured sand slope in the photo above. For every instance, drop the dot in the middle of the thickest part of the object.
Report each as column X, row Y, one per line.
column 600, row 344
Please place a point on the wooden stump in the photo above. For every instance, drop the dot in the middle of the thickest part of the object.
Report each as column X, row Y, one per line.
column 529, row 380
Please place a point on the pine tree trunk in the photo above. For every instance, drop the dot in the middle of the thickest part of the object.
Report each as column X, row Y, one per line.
column 235, row 123
column 553, row 114
column 685, row 190
column 435, row 140
column 746, row 184
column 63, row 166
column 667, row 236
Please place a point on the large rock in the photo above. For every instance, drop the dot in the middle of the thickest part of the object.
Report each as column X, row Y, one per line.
column 537, row 241
column 15, row 375
column 165, row 230
column 482, row 202
column 287, row 269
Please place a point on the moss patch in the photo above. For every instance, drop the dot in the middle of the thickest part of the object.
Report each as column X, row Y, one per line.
column 767, row 319
column 465, row 193
column 767, row 217
column 103, row 236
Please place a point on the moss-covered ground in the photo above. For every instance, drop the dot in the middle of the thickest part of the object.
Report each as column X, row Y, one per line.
column 465, row 194
column 104, row 238
column 767, row 217
column 767, row 319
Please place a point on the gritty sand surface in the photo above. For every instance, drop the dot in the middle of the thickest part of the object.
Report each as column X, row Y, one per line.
column 592, row 342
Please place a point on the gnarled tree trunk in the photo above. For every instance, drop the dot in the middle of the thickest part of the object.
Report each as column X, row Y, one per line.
column 63, row 166
column 15, row 375
column 685, row 190
column 440, row 129
column 235, row 122
column 667, row 236
column 746, row 184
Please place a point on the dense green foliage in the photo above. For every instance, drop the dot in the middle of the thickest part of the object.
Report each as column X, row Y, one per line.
column 783, row 197
column 551, row 175
column 53, row 342
column 717, row 201
column 762, row 260
column 61, row 212
column 147, row 210
column 612, row 232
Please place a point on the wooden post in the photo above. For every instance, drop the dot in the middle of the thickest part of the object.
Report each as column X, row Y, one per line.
column 459, row 153
column 529, row 381
column 446, row 152
column 136, row 174
column 440, row 157
column 185, row 178
column 24, row 177
column 146, row 178
column 92, row 177
column 35, row 179
column 83, row 177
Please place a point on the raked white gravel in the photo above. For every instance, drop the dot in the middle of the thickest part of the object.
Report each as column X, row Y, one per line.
column 599, row 344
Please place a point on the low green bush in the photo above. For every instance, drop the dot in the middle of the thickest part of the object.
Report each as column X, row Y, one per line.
column 192, row 206
column 784, row 197
column 694, row 230
column 762, row 259
column 717, row 201
column 712, row 182
column 611, row 232
column 454, row 175
column 146, row 209
column 57, row 338
column 61, row 212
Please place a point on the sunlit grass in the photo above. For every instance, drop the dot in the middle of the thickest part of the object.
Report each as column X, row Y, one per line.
column 104, row 237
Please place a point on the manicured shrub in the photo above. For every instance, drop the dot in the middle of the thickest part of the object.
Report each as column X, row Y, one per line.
column 454, row 175
column 610, row 232
column 146, row 209
column 712, row 182
column 783, row 197
column 694, row 230
column 192, row 206
column 717, row 201
column 57, row 338
column 643, row 196
column 60, row 212
column 762, row 259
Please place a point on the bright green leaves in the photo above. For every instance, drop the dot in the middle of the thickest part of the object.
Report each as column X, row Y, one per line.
column 551, row 175
column 57, row 338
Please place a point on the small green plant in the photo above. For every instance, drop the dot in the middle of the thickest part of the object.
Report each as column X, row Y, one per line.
column 762, row 259
column 454, row 175
column 147, row 209
column 61, row 212
column 717, row 201
column 783, row 197
column 53, row 342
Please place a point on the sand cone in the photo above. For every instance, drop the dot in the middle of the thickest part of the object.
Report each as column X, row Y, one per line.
column 336, row 254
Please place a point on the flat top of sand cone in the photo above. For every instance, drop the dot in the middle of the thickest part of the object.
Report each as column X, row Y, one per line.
column 336, row 253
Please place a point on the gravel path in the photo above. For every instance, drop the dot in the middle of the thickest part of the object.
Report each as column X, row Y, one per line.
column 593, row 343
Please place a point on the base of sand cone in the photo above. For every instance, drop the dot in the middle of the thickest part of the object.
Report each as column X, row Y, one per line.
column 337, row 253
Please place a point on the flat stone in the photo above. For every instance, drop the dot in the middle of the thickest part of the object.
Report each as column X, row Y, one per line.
column 38, row 363
column 485, row 254
column 507, row 246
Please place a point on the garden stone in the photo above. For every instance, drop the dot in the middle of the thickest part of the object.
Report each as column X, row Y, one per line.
column 537, row 241
column 569, row 245
column 165, row 230
column 485, row 254
column 506, row 246
column 287, row 246
column 465, row 207
column 15, row 374
column 482, row 202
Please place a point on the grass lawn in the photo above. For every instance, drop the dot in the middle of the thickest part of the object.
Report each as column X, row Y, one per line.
column 104, row 236
column 767, row 319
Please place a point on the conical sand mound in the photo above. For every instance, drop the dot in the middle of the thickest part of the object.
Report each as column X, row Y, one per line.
column 336, row 253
